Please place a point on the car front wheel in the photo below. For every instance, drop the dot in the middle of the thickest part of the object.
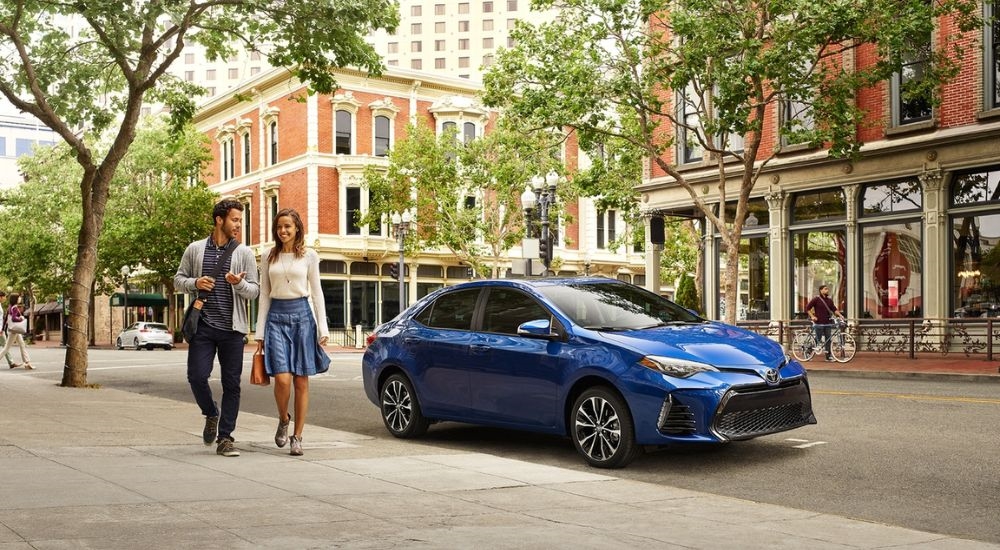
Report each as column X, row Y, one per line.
column 118, row 343
column 602, row 429
column 400, row 409
column 136, row 344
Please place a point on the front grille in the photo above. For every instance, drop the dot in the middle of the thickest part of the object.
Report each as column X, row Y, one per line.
column 753, row 411
column 679, row 419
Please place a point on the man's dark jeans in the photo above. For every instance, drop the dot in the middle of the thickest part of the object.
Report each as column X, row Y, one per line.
column 823, row 333
column 201, row 358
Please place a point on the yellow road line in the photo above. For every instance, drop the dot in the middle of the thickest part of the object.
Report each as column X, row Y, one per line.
column 913, row 397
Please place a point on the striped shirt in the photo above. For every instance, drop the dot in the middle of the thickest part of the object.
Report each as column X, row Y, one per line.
column 218, row 308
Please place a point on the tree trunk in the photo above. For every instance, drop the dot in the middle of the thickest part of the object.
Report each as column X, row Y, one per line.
column 95, row 198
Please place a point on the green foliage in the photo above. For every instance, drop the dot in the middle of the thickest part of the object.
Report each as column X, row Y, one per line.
column 152, row 215
column 681, row 249
column 39, row 223
column 434, row 175
column 687, row 294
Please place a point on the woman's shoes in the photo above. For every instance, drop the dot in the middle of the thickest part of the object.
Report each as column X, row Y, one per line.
column 27, row 366
column 296, row 449
column 281, row 436
column 15, row 365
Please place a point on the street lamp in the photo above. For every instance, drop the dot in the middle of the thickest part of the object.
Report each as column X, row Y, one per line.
column 126, row 271
column 536, row 201
column 401, row 224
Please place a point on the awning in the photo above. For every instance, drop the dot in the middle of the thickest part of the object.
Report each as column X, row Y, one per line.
column 137, row 300
column 48, row 307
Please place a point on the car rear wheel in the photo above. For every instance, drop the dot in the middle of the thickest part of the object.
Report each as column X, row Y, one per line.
column 118, row 343
column 602, row 429
column 400, row 409
column 136, row 344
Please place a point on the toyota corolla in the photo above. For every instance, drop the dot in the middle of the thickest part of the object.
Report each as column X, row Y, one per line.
column 613, row 366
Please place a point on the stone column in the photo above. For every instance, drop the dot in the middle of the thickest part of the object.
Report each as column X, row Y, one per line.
column 937, row 246
column 852, row 257
column 653, row 255
column 780, row 261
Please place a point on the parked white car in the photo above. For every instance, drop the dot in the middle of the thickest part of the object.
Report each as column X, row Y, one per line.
column 145, row 335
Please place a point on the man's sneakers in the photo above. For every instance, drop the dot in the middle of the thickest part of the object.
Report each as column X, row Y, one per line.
column 227, row 448
column 211, row 430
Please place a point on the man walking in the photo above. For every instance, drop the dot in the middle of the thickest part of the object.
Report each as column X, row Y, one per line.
column 3, row 333
column 223, row 324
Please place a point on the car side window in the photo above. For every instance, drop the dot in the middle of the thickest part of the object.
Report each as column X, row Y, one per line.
column 507, row 308
column 453, row 310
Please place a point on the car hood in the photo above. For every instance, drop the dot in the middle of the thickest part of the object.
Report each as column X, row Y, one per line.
column 716, row 344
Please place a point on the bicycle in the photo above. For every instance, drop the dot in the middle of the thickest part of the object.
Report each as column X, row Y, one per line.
column 843, row 347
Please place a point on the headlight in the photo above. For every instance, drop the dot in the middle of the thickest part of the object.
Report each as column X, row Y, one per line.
column 677, row 368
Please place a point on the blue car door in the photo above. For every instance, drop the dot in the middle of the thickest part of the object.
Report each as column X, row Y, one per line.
column 513, row 379
column 439, row 341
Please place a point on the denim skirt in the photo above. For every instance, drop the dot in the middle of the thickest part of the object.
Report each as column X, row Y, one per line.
column 291, row 343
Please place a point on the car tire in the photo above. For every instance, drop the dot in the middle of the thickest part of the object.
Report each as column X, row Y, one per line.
column 136, row 344
column 602, row 429
column 400, row 409
column 118, row 344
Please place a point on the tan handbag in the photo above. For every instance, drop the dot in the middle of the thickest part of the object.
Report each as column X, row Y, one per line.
column 258, row 375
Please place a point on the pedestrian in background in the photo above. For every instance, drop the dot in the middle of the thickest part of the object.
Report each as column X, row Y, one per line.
column 822, row 310
column 290, row 331
column 3, row 333
column 15, row 314
column 223, row 325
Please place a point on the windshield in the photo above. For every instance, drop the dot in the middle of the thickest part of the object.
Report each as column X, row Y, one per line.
column 615, row 306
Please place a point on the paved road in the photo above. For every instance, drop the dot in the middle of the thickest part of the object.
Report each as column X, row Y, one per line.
column 914, row 453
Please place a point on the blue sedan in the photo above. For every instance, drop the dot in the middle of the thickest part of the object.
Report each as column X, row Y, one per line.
column 613, row 366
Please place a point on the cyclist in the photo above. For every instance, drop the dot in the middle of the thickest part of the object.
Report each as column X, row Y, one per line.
column 822, row 311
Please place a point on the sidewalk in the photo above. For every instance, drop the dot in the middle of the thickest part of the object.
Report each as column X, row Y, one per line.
column 86, row 468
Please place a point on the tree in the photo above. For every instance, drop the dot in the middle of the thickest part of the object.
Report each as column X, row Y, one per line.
column 638, row 70
column 155, row 213
column 467, row 196
column 116, row 55
column 152, row 216
column 687, row 294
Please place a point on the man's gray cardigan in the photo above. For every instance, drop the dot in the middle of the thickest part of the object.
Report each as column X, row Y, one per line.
column 243, row 261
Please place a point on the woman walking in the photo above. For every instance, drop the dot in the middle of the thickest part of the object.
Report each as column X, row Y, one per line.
column 289, row 329
column 15, row 314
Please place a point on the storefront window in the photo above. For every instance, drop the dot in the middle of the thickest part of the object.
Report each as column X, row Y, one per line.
column 828, row 204
column 820, row 258
column 976, row 187
column 333, row 294
column 976, row 269
column 753, row 297
column 892, row 273
column 888, row 198
column 363, row 302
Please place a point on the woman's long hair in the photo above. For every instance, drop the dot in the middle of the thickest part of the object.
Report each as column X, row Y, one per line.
column 299, row 245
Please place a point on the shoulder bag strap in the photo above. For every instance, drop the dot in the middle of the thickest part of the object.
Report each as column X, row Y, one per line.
column 202, row 295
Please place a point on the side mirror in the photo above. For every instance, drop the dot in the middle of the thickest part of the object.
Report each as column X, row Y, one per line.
column 539, row 328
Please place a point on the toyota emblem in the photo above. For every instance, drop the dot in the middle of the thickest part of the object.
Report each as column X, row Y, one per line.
column 772, row 376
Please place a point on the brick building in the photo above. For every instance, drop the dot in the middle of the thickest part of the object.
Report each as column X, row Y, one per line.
column 907, row 230
column 285, row 148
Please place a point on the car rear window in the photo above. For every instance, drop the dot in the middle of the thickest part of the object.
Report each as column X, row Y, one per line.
column 156, row 326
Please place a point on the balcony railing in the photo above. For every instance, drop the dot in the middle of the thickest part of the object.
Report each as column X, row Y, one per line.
column 903, row 337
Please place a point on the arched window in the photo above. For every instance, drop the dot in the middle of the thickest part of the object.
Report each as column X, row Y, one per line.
column 381, row 136
column 344, row 133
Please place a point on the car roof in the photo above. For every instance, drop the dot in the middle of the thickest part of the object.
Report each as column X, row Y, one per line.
column 537, row 283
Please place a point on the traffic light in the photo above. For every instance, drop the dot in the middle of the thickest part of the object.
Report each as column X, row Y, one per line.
column 543, row 250
column 394, row 271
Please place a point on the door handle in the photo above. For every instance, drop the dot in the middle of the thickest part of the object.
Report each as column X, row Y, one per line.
column 479, row 348
column 411, row 339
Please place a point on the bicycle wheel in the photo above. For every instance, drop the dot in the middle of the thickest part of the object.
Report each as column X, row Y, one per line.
column 843, row 347
column 803, row 346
